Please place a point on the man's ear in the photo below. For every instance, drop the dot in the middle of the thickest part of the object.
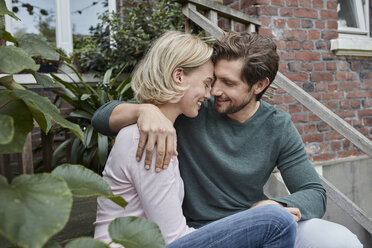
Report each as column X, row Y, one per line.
column 261, row 85
column 177, row 75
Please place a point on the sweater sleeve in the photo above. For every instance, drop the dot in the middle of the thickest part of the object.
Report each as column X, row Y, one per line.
column 299, row 175
column 101, row 117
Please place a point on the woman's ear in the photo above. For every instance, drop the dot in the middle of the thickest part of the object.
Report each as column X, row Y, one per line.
column 177, row 75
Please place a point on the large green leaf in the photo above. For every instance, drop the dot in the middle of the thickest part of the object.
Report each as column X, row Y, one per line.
column 9, row 83
column 136, row 232
column 23, row 122
column 86, row 242
column 36, row 45
column 85, row 183
column 33, row 208
column 8, row 37
column 14, row 59
column 43, row 104
column 4, row 10
column 52, row 244
column 102, row 148
column 7, row 129
column 43, row 80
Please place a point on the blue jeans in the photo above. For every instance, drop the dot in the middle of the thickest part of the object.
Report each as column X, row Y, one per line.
column 267, row 226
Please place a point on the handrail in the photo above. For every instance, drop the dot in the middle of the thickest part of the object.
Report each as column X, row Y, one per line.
column 345, row 129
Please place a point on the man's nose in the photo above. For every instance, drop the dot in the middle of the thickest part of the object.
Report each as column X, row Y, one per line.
column 216, row 91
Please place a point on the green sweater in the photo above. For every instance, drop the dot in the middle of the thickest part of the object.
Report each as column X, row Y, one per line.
column 225, row 164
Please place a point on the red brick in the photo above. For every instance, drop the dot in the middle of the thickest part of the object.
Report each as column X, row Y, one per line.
column 320, row 24
column 282, row 107
column 355, row 84
column 278, row 99
column 365, row 113
column 268, row 10
column 331, row 66
column 332, row 86
column 346, row 114
column 292, row 3
column 298, row 77
column 310, row 128
column 345, row 85
column 307, row 45
column 293, row 45
column 367, row 103
column 319, row 67
column 332, row 105
column 281, row 44
column 287, row 55
column 333, row 136
column 332, row 5
column 323, row 157
column 277, row 2
column 355, row 104
column 346, row 143
column 345, row 75
column 335, row 146
column 355, row 65
column 265, row 21
column 318, row 4
column 307, row 66
column 288, row 99
column 367, row 85
column 317, row 96
column 294, row 34
column 282, row 67
column 314, row 117
column 268, row 32
column 294, row 108
column 308, row 56
column 314, row 35
column 310, row 138
column 343, row 154
column 325, row 14
column 246, row 3
column 293, row 23
column 321, row 127
column 321, row 76
column 332, row 25
column 306, row 13
column 279, row 23
column 299, row 130
column 305, row 3
column 320, row 87
column 332, row 95
column 356, row 94
column 286, row 12
column 329, row 35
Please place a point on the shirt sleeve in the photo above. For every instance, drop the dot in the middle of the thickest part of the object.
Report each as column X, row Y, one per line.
column 100, row 119
column 299, row 175
column 161, row 196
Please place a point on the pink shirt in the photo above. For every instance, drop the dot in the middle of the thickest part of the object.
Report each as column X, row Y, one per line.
column 154, row 196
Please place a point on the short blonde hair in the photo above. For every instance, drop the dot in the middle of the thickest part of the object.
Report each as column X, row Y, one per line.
column 152, row 79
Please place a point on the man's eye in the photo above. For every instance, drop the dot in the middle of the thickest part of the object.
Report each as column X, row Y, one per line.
column 208, row 86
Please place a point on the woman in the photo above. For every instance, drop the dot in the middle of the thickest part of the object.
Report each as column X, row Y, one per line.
column 176, row 75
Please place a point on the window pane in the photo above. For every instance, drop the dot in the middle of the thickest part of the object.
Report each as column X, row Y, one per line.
column 84, row 14
column 37, row 17
column 347, row 13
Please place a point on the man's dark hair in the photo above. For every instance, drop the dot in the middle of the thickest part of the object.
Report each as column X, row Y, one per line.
column 258, row 53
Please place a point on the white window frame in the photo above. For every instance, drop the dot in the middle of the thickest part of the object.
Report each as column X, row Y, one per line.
column 63, row 23
column 355, row 41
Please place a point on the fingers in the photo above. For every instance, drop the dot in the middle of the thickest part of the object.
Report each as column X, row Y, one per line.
column 149, row 151
column 160, row 153
column 141, row 145
column 295, row 212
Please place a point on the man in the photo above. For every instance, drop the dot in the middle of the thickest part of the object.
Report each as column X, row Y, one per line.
column 228, row 152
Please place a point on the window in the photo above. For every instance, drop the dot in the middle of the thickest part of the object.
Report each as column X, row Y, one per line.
column 353, row 28
column 58, row 20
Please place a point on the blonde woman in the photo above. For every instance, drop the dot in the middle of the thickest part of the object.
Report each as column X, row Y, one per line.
column 176, row 76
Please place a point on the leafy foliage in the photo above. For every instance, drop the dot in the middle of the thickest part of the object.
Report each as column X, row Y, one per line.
column 122, row 39
column 93, row 150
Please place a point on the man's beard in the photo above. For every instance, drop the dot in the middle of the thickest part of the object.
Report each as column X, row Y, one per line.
column 232, row 109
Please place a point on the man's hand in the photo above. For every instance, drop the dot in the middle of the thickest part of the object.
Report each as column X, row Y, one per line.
column 294, row 211
column 155, row 129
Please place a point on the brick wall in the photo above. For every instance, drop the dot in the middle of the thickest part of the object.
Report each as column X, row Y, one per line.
column 302, row 30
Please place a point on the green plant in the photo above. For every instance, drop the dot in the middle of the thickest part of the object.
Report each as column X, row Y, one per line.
column 122, row 39
column 93, row 150
column 33, row 208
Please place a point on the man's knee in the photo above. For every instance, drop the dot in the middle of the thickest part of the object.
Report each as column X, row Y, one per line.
column 318, row 233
